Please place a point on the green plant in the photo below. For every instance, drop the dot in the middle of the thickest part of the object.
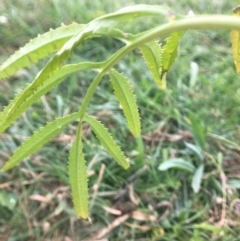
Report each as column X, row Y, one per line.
column 65, row 40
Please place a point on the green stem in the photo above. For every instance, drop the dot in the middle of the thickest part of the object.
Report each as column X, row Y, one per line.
column 195, row 22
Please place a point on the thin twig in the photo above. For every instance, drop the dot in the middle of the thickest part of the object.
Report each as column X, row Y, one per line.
column 224, row 201
column 97, row 184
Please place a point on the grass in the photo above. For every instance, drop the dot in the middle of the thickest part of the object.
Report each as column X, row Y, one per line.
column 202, row 99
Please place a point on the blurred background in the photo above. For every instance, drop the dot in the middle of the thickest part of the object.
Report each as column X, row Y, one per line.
column 196, row 119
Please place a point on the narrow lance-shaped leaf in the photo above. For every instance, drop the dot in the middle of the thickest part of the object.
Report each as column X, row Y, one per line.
column 107, row 141
column 78, row 177
column 127, row 100
column 36, row 141
column 6, row 117
column 152, row 53
column 38, row 48
column 235, row 36
column 170, row 51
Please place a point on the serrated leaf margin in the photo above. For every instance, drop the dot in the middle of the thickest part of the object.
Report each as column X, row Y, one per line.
column 107, row 141
column 78, row 177
column 124, row 93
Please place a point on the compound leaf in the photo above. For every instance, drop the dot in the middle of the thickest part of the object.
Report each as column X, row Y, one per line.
column 127, row 100
column 87, row 31
column 107, row 141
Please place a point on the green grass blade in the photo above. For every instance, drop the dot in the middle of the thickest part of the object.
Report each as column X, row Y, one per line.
column 227, row 142
column 152, row 53
column 38, row 139
column 38, row 48
column 78, row 177
column 233, row 183
column 208, row 227
column 197, row 178
column 177, row 163
column 7, row 117
column 124, row 93
column 196, row 149
column 198, row 131
column 107, row 141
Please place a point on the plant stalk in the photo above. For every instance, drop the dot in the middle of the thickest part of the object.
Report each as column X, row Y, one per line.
column 203, row 22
